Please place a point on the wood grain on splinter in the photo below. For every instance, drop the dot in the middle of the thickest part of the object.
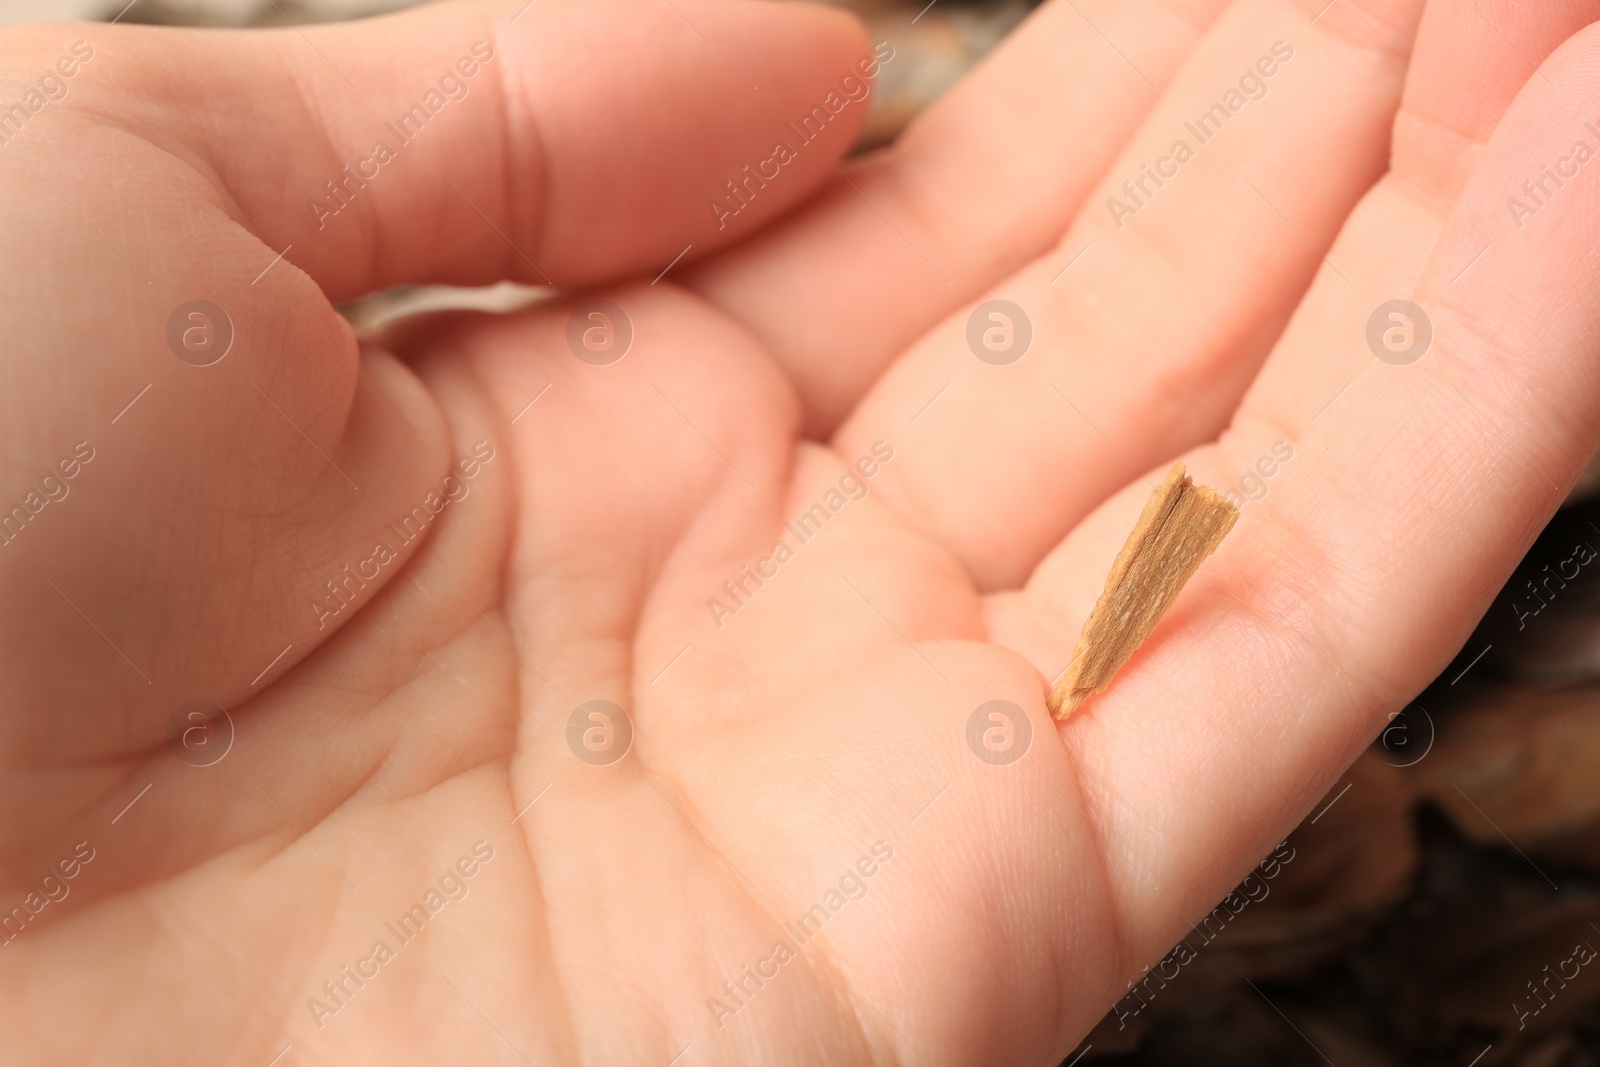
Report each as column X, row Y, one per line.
column 1181, row 525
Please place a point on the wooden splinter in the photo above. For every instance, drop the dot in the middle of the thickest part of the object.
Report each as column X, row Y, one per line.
column 1181, row 525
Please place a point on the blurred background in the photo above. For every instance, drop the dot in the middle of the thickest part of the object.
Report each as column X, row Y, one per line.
column 1441, row 905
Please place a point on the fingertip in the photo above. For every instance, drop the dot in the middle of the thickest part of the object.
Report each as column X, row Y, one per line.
column 836, row 28
column 810, row 70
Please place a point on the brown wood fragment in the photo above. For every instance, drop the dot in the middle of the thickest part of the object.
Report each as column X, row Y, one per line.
column 1181, row 525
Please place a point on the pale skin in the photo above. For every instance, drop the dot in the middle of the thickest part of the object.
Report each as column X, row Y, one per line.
column 830, row 713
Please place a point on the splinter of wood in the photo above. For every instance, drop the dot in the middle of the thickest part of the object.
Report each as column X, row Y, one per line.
column 1181, row 525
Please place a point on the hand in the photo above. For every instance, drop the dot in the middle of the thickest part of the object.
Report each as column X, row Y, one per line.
column 810, row 781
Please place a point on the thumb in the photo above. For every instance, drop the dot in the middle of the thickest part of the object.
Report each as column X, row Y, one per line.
column 559, row 142
column 244, row 475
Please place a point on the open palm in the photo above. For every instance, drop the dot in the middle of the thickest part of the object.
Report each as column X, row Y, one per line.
column 657, row 675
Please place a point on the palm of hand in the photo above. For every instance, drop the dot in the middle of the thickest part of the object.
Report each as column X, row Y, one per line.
column 823, row 840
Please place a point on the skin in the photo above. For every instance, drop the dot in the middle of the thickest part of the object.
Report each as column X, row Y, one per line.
column 780, row 752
